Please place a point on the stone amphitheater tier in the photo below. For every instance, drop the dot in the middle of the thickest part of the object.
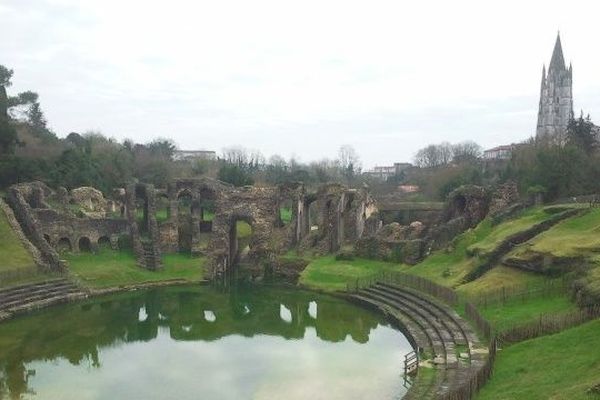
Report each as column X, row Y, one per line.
column 25, row 298
column 443, row 339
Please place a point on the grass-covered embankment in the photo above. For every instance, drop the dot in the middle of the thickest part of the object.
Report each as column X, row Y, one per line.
column 575, row 237
column 109, row 268
column 560, row 366
column 327, row 273
column 12, row 252
column 450, row 266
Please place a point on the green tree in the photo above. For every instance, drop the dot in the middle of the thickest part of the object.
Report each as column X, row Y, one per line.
column 234, row 174
column 8, row 134
column 581, row 134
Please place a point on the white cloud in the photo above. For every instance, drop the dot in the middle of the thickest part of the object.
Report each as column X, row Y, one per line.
column 297, row 77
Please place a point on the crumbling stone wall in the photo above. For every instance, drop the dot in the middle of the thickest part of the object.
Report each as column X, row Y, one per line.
column 503, row 197
column 342, row 216
column 56, row 226
column 23, row 198
column 90, row 200
column 145, row 239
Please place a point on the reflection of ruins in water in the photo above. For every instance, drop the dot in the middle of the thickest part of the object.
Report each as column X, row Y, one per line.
column 78, row 332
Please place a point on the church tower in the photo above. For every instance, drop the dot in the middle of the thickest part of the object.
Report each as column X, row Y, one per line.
column 556, row 97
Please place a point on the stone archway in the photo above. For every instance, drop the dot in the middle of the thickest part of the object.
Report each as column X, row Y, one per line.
column 84, row 244
column 64, row 245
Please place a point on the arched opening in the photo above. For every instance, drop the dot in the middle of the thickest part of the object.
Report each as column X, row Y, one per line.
column 85, row 245
column 104, row 243
column 460, row 204
column 348, row 220
column 313, row 216
column 240, row 240
column 184, row 220
column 47, row 239
column 162, row 208
column 184, row 203
column 64, row 245
column 141, row 214
column 285, row 213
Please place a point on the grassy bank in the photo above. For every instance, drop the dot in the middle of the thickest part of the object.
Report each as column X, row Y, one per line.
column 12, row 252
column 327, row 273
column 114, row 268
column 574, row 237
column 561, row 366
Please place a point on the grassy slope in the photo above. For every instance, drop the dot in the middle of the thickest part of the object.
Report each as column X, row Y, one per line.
column 572, row 237
column 12, row 252
column 114, row 268
column 561, row 366
column 516, row 312
column 505, row 229
column 449, row 267
column 326, row 273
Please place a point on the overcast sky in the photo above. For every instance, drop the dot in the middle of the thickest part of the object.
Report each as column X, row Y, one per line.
column 298, row 78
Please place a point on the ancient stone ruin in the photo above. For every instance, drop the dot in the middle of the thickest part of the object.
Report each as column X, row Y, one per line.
column 203, row 216
column 196, row 215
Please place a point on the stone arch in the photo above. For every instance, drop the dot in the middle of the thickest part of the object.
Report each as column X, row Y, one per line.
column 64, row 245
column 312, row 215
column 104, row 243
column 349, row 217
column 84, row 244
column 285, row 212
column 141, row 208
column 185, row 228
column 163, row 207
column 240, row 239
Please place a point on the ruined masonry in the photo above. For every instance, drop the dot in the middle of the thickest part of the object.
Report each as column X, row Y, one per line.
column 199, row 216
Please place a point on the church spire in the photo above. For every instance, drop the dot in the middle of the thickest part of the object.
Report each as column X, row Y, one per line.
column 557, row 63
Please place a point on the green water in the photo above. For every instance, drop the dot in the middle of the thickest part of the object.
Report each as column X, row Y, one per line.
column 203, row 343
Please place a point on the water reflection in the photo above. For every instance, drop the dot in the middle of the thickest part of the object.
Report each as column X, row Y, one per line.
column 37, row 352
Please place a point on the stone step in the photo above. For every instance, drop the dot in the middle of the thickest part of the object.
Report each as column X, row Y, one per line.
column 420, row 337
column 467, row 331
column 423, row 311
column 48, row 301
column 443, row 315
column 37, row 297
column 32, row 285
column 434, row 336
column 34, row 290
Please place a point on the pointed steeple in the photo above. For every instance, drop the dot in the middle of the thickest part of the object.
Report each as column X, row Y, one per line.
column 557, row 63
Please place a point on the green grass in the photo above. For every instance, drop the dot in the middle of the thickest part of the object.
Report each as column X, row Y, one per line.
column 505, row 229
column 500, row 277
column 522, row 311
column 570, row 238
column 115, row 268
column 243, row 229
column 327, row 273
column 12, row 252
column 286, row 215
column 448, row 267
column 560, row 366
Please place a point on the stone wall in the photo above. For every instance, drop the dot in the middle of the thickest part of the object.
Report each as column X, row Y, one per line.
column 342, row 215
column 23, row 198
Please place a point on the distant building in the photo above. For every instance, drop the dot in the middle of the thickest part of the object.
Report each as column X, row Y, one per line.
column 499, row 153
column 384, row 172
column 192, row 155
column 556, row 97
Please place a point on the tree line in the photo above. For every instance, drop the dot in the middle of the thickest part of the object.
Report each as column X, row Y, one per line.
column 30, row 150
column 559, row 167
